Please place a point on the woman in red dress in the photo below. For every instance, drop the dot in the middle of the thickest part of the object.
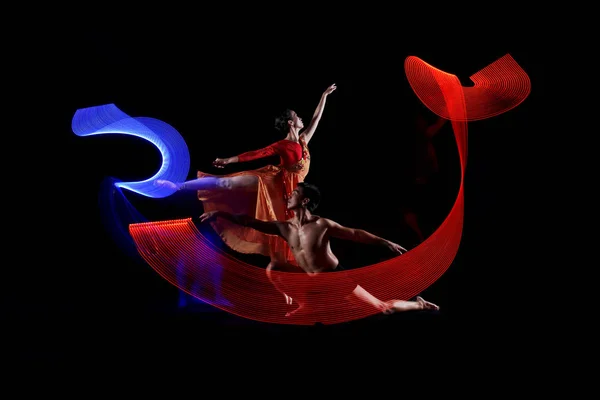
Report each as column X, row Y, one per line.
column 261, row 193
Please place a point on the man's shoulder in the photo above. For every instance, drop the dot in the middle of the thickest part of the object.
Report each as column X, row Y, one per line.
column 322, row 220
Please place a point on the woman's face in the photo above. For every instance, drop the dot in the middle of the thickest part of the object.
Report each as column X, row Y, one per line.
column 296, row 121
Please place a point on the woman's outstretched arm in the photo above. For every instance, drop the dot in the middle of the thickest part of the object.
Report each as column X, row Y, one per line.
column 310, row 130
column 247, row 156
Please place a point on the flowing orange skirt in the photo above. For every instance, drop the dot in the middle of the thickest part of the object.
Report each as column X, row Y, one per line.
column 266, row 202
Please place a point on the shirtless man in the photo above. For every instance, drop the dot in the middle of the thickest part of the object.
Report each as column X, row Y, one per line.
column 309, row 236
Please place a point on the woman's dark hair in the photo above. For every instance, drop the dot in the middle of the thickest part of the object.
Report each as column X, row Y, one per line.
column 313, row 194
column 281, row 121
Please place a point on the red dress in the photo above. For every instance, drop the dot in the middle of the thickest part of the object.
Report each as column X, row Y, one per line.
column 266, row 203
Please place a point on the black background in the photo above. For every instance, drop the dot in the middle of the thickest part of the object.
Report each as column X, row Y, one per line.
column 222, row 92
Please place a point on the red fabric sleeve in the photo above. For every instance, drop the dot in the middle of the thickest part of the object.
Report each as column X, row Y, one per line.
column 256, row 154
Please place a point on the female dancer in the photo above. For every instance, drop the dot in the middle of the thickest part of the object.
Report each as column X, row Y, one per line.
column 263, row 192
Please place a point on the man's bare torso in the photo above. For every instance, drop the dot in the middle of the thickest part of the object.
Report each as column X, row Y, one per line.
column 310, row 245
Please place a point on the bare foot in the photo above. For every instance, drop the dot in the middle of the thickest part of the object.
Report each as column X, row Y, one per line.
column 300, row 307
column 426, row 304
column 167, row 184
column 393, row 306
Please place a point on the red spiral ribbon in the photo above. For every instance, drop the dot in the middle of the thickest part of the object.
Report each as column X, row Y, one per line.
column 182, row 255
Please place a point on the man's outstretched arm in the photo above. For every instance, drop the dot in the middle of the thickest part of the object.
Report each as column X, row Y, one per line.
column 268, row 227
column 360, row 236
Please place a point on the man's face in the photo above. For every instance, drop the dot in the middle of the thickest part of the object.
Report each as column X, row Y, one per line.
column 295, row 199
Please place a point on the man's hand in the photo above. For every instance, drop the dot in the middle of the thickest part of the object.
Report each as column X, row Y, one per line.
column 208, row 216
column 396, row 248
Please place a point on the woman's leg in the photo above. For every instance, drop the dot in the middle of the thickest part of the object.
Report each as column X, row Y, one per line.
column 248, row 182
